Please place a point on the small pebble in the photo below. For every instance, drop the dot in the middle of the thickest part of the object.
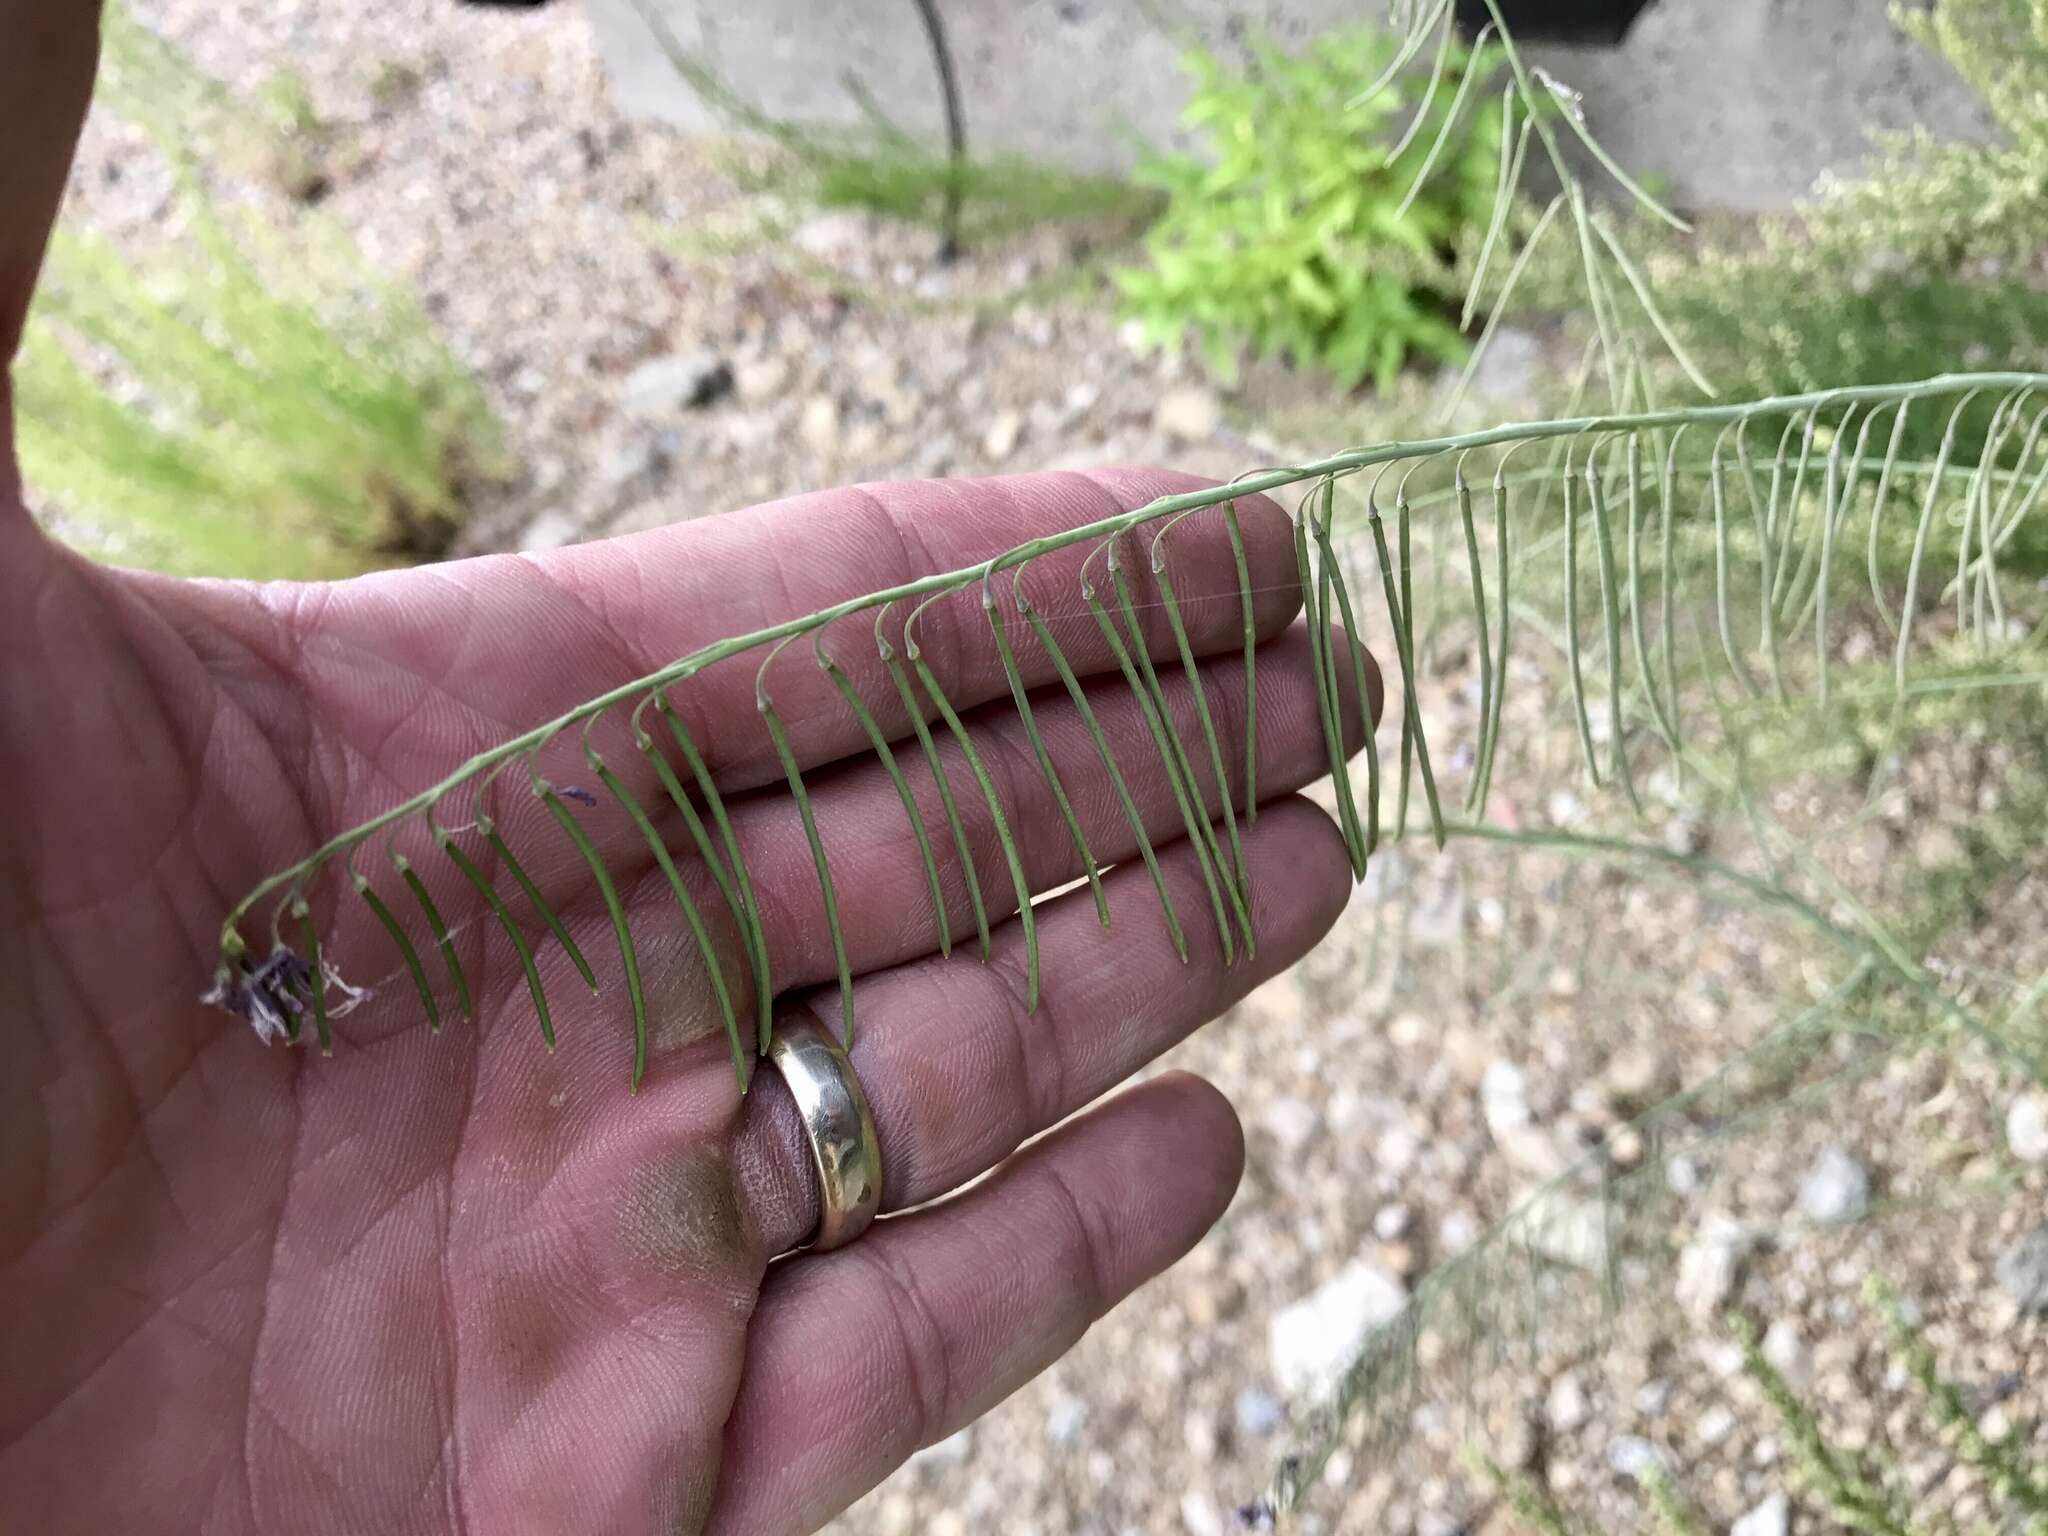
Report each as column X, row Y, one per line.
column 1836, row 1189
column 1773, row 1517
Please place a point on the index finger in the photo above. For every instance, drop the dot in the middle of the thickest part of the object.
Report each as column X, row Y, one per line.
column 587, row 618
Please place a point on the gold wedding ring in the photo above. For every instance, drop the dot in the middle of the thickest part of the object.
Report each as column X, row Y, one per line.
column 837, row 1124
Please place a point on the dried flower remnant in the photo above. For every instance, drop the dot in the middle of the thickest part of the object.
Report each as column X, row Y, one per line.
column 274, row 994
column 578, row 793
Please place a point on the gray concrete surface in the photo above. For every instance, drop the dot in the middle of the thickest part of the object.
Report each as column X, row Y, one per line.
column 1739, row 104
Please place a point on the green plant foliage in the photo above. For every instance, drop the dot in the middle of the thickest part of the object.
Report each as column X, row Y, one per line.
column 245, row 397
column 1319, row 224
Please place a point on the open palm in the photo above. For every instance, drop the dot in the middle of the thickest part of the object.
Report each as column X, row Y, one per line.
column 463, row 1282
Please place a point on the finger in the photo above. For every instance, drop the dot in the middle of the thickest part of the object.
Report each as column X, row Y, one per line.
column 46, row 77
column 857, row 1358
column 430, row 646
column 959, row 1074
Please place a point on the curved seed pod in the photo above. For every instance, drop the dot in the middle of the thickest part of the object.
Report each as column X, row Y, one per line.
column 499, row 910
column 1510, row 169
column 887, row 754
column 1341, row 590
column 1402, row 611
column 1718, row 491
column 1500, row 306
column 1766, row 552
column 1571, row 626
column 1610, row 620
column 1443, row 132
column 915, row 711
column 738, row 887
column 1436, row 79
column 1404, row 642
column 1884, row 485
column 1079, row 696
column 628, row 959
column 316, row 981
column 1476, row 573
column 741, row 1060
column 489, row 829
column 1018, row 880
column 1909, row 604
column 411, row 956
column 1667, row 590
column 1189, row 813
column 1182, row 764
column 1482, row 775
column 790, row 771
column 1792, row 602
column 1203, row 718
column 1021, row 697
column 418, row 887
column 1314, row 591
column 1644, row 675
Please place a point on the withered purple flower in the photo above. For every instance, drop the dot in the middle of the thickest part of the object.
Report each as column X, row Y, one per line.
column 577, row 793
column 274, row 993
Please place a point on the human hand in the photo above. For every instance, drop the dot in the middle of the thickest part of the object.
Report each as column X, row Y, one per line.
column 460, row 1282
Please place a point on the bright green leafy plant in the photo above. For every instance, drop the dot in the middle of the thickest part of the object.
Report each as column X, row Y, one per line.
column 246, row 398
column 1323, row 222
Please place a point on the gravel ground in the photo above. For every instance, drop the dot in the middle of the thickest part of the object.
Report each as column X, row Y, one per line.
column 1480, row 1019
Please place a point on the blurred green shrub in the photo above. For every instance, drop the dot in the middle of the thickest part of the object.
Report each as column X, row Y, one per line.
column 245, row 397
column 1301, row 230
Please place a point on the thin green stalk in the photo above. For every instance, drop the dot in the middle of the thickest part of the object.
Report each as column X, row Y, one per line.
column 1480, row 629
column 1571, row 628
column 742, row 1061
column 739, row 890
column 1511, row 159
column 1020, row 696
column 489, row 829
column 499, row 910
column 1610, row 619
column 911, row 707
column 418, row 887
column 1203, row 716
column 1235, row 882
column 1015, row 860
column 1082, row 707
column 1405, row 647
column 1450, row 118
column 911, row 812
column 399, row 937
column 1910, row 602
column 1190, row 812
column 628, row 959
column 1482, row 777
column 1314, row 594
column 794, row 775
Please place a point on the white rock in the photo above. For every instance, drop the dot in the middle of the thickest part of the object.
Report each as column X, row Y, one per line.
column 2026, row 1127
column 1504, row 1098
column 1786, row 1350
column 1390, row 1222
column 1836, row 1189
column 1198, row 1512
column 819, row 426
column 1710, row 1265
column 1065, row 1419
column 1003, row 435
column 550, row 530
column 949, row 1452
column 1512, row 372
column 2023, row 1271
column 1635, row 1458
column 1682, row 1176
column 1653, row 1397
column 1188, row 412
column 762, row 380
column 1715, row 1425
column 1257, row 1413
column 1566, row 1408
column 666, row 385
column 1291, row 1121
column 1565, row 1228
column 1773, row 1517
column 1312, row 1341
